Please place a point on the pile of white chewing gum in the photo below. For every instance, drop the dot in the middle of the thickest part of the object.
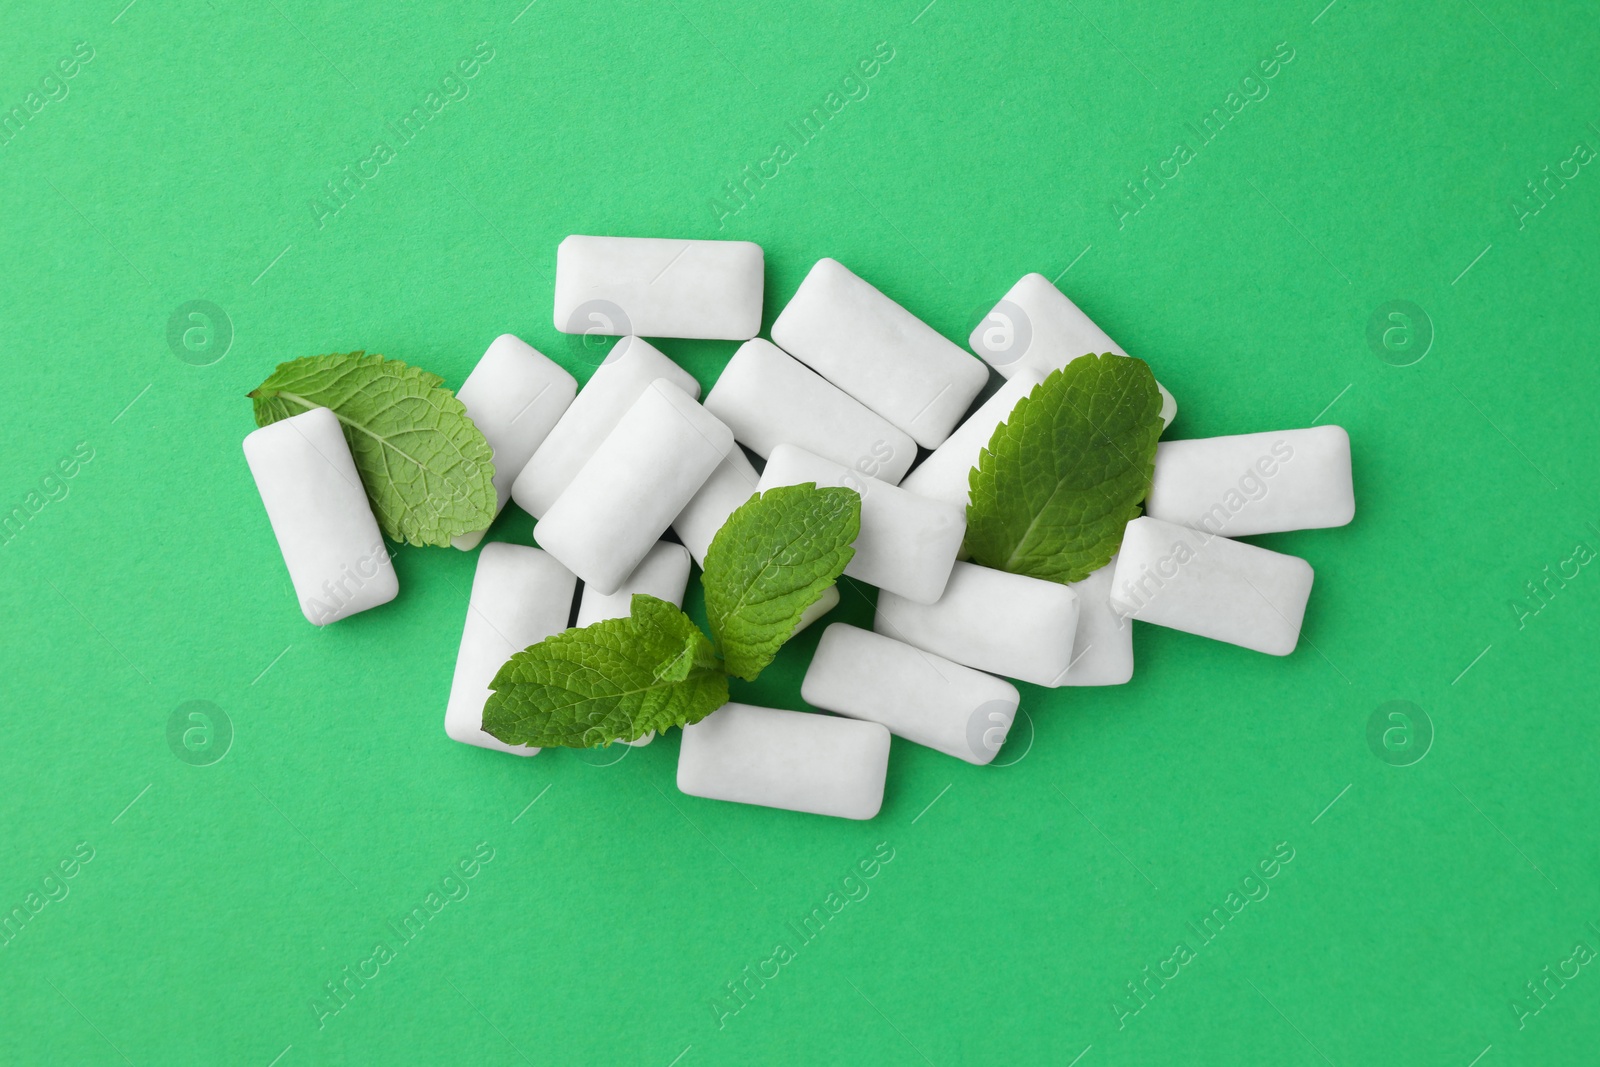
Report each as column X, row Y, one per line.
column 848, row 389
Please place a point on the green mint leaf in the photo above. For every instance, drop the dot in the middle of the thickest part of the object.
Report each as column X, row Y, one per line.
column 614, row 680
column 427, row 469
column 1067, row 471
column 770, row 561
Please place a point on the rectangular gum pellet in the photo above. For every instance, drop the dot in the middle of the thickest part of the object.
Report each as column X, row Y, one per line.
column 919, row 696
column 515, row 395
column 663, row 574
column 907, row 544
column 657, row 287
column 944, row 474
column 629, row 368
column 1201, row 584
column 794, row 760
column 819, row 607
column 768, row 398
column 520, row 596
column 730, row 485
column 1036, row 325
column 639, row 479
column 1255, row 483
column 320, row 516
column 1102, row 645
column 1007, row 624
column 878, row 352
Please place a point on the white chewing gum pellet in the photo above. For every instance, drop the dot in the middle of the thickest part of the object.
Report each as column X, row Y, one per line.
column 520, row 596
column 879, row 353
column 1006, row 624
column 515, row 395
column 1102, row 646
column 819, row 607
column 1255, row 483
column 663, row 574
column 630, row 367
column 919, row 696
column 907, row 543
column 1035, row 325
column 730, row 485
column 320, row 516
column 795, row 760
column 944, row 474
column 638, row 480
column 769, row 398
column 1226, row 590
column 659, row 288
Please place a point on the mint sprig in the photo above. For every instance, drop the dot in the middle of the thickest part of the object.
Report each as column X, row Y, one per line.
column 427, row 469
column 618, row 679
column 1066, row 472
column 614, row 680
column 770, row 561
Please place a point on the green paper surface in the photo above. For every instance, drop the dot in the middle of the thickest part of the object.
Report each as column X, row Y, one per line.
column 266, row 803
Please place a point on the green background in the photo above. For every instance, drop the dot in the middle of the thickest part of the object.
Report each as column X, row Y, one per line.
column 1021, row 899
